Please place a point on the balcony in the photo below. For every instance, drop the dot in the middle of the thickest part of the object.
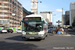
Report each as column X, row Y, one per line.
column 7, row 2
column 4, row 11
column 4, row 15
column 15, row 22
column 15, row 18
column 4, row 6
column 11, row 20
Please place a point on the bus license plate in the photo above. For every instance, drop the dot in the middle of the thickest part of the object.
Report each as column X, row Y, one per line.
column 31, row 37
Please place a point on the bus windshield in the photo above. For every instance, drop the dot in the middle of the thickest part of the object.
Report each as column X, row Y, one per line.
column 33, row 26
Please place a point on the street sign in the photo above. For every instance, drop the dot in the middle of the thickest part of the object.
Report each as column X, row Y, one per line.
column 58, row 22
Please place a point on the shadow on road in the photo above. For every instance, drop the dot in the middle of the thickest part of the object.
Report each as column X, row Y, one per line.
column 18, row 46
column 50, row 34
column 19, row 38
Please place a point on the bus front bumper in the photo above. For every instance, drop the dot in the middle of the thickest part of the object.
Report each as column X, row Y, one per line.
column 33, row 36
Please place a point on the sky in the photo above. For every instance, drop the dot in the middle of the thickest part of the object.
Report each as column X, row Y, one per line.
column 55, row 6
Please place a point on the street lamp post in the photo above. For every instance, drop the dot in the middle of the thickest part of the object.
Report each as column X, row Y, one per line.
column 58, row 23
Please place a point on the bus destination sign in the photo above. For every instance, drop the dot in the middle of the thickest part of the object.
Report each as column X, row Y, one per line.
column 30, row 18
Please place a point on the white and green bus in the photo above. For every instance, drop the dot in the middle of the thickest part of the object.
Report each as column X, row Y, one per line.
column 34, row 27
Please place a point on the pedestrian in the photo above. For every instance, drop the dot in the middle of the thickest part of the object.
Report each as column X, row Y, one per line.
column 62, row 30
column 53, row 32
column 59, row 30
column 66, row 31
column 56, row 30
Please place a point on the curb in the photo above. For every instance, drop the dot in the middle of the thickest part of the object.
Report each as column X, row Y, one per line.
column 14, row 32
column 62, row 35
column 72, row 35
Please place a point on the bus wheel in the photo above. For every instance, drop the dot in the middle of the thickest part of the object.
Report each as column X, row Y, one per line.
column 43, row 38
column 46, row 35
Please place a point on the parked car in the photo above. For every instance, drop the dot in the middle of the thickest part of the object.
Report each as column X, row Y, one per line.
column 69, row 29
column 9, row 30
column 50, row 30
column 19, row 31
column 4, row 31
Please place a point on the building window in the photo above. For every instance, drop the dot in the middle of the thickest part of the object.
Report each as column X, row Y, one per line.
column 3, row 14
column 2, row 4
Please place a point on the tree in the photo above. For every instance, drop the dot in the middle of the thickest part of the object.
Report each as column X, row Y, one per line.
column 73, row 24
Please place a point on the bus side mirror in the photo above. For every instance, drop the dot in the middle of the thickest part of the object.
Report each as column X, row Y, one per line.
column 43, row 21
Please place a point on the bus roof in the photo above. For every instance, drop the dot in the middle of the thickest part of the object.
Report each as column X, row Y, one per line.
column 36, row 15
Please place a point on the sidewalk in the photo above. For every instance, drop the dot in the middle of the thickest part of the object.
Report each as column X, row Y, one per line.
column 64, row 34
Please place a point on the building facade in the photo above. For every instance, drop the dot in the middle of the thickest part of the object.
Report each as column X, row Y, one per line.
column 67, row 21
column 63, row 19
column 25, row 12
column 11, row 13
column 34, row 6
column 47, row 16
column 72, row 12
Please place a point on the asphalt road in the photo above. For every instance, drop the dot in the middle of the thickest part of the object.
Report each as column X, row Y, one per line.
column 15, row 42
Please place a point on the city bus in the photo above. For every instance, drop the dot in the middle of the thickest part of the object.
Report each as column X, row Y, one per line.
column 34, row 27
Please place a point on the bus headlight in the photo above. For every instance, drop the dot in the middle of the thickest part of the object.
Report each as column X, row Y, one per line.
column 41, row 33
column 23, row 32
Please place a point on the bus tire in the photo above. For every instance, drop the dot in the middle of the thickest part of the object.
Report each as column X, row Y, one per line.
column 23, row 38
column 43, row 38
column 46, row 35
